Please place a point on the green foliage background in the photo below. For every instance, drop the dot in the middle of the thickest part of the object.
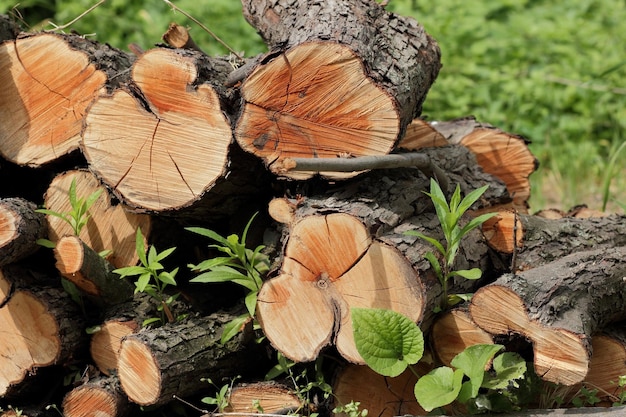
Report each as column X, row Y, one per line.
column 550, row 70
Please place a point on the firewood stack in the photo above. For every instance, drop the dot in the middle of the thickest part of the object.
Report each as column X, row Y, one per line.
column 171, row 138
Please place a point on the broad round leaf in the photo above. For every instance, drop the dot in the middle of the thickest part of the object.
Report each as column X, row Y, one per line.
column 439, row 387
column 388, row 341
column 509, row 366
column 473, row 361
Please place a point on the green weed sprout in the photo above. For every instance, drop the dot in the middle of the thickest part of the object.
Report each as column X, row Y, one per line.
column 449, row 217
column 78, row 216
column 240, row 265
column 151, row 277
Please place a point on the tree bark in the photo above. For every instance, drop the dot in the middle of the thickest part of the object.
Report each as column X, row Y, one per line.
column 93, row 274
column 540, row 240
column 558, row 306
column 20, row 228
column 322, row 90
column 48, row 81
column 156, row 363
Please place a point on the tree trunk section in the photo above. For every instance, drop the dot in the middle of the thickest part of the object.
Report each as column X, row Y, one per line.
column 323, row 91
column 48, row 81
column 270, row 396
column 540, row 240
column 102, row 397
column 156, row 363
column 41, row 327
column 20, row 228
column 109, row 227
column 93, row 274
column 558, row 306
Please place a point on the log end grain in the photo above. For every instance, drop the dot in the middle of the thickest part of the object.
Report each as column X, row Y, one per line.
column 138, row 372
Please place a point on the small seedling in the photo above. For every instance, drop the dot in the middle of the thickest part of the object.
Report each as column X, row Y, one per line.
column 78, row 216
column 221, row 399
column 352, row 409
column 151, row 278
column 449, row 216
column 240, row 265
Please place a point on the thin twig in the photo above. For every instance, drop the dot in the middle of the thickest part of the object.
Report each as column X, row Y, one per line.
column 206, row 29
column 361, row 163
column 83, row 14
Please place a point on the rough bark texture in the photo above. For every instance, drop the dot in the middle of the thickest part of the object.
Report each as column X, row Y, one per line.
column 558, row 306
column 156, row 363
column 20, row 228
column 541, row 240
column 93, row 274
column 396, row 51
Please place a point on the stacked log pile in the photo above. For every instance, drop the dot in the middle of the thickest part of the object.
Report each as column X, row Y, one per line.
column 170, row 137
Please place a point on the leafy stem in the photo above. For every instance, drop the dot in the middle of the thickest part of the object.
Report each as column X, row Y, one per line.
column 449, row 215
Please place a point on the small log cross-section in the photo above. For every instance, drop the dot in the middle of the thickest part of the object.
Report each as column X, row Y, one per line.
column 558, row 307
column 155, row 364
column 48, row 81
column 20, row 227
column 330, row 265
column 315, row 101
column 162, row 143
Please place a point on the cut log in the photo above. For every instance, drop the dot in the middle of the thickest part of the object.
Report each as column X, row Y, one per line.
column 48, row 81
column 381, row 396
column 323, row 91
column 20, row 228
column 91, row 273
column 608, row 362
column 541, row 240
column 331, row 265
column 120, row 321
column 557, row 306
column 269, row 396
column 110, row 227
column 156, row 363
column 164, row 141
column 178, row 36
column 102, row 397
column 41, row 327
column 504, row 155
column 454, row 331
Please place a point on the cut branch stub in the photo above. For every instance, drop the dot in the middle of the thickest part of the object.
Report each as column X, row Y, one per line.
column 315, row 101
column 330, row 265
column 162, row 143
column 47, row 85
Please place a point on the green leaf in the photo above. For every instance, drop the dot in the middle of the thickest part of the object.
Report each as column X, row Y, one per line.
column 439, row 387
column 168, row 277
column 233, row 327
column 139, row 247
column 474, row 273
column 142, row 282
column 473, row 361
column 387, row 340
column 150, row 321
column 250, row 301
column 434, row 262
column 208, row 233
column 92, row 199
column 508, row 366
column 130, row 270
column 471, row 198
column 72, row 194
column 46, row 243
column 428, row 239
column 220, row 274
column 475, row 222
column 454, row 299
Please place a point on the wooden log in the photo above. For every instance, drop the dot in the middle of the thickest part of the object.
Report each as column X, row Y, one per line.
column 101, row 397
column 502, row 154
column 164, row 141
column 49, row 80
column 270, row 396
column 330, row 265
column 20, row 228
column 91, row 273
column 557, row 306
column 540, row 240
column 454, row 331
column 155, row 364
column 109, row 228
column 41, row 327
column 322, row 90
column 119, row 321
column 381, row 396
column 608, row 362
